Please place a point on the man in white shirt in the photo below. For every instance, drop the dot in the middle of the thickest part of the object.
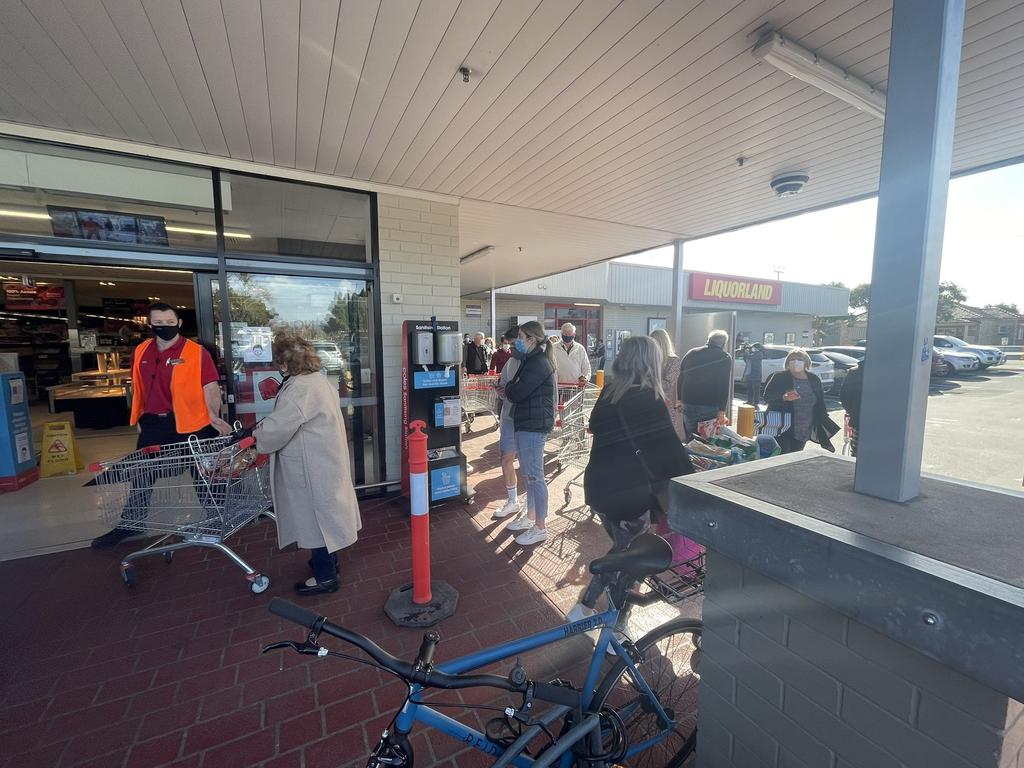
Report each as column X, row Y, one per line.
column 571, row 361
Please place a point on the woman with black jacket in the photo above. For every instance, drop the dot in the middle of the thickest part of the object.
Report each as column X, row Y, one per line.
column 797, row 391
column 634, row 453
column 533, row 394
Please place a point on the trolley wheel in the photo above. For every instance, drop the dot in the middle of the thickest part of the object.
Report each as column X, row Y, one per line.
column 259, row 584
column 568, row 495
column 168, row 557
column 129, row 576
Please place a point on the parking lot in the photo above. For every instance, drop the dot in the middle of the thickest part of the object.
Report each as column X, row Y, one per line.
column 975, row 427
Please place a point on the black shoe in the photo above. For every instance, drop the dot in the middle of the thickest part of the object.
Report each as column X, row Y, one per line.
column 320, row 588
column 112, row 538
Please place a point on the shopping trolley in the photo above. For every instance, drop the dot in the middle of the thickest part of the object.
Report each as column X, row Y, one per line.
column 571, row 444
column 199, row 492
column 479, row 395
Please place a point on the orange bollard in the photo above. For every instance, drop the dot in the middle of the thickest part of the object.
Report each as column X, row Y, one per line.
column 419, row 509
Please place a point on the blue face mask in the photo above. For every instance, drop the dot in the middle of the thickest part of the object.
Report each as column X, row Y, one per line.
column 567, row 339
column 521, row 347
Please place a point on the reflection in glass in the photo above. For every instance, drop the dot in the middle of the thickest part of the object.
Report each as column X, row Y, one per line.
column 334, row 315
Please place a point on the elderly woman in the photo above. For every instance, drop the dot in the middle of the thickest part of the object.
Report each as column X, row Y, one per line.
column 797, row 391
column 311, row 482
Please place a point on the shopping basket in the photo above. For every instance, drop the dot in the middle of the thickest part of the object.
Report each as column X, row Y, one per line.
column 191, row 494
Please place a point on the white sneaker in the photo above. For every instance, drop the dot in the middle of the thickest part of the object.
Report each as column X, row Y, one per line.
column 510, row 508
column 533, row 536
column 521, row 523
column 579, row 612
column 622, row 637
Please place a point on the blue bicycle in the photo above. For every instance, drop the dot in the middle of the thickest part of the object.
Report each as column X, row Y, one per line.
column 641, row 712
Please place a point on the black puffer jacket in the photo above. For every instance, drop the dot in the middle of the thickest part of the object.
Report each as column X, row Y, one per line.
column 532, row 392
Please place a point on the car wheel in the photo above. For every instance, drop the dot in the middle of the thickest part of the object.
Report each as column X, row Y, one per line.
column 983, row 366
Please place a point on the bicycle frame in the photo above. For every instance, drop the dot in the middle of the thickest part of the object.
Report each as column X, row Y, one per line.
column 421, row 713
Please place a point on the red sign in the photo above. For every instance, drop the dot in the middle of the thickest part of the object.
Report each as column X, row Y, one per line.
column 42, row 297
column 729, row 289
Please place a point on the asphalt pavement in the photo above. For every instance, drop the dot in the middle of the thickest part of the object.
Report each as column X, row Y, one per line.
column 975, row 428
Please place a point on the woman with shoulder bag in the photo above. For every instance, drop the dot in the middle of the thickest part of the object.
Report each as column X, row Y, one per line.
column 532, row 392
column 635, row 452
column 797, row 391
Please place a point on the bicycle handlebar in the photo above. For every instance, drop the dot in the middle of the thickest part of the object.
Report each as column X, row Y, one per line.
column 424, row 676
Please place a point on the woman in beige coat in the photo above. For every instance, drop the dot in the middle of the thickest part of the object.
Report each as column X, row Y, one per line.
column 311, row 481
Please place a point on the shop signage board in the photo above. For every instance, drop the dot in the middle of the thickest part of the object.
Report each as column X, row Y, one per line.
column 17, row 458
column 33, row 297
column 729, row 289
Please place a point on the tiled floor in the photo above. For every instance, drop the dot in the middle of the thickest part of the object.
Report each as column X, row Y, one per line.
column 170, row 673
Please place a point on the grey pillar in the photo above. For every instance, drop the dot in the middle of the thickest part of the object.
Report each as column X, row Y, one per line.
column 494, row 318
column 675, row 320
column 917, row 145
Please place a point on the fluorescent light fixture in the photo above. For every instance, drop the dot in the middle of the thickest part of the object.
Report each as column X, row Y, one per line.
column 479, row 253
column 810, row 68
column 584, row 304
column 210, row 232
column 23, row 214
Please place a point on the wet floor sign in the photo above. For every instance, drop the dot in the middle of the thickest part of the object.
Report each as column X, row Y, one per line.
column 60, row 451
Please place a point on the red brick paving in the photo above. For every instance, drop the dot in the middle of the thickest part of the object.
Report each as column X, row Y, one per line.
column 169, row 673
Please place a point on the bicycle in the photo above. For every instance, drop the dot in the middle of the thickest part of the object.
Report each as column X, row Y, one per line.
column 643, row 710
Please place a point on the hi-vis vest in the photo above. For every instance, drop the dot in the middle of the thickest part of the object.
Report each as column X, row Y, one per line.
column 187, row 399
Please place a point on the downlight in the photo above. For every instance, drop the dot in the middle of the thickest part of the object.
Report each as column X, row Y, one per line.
column 789, row 184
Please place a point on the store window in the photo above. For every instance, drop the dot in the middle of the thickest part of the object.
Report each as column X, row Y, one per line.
column 271, row 216
column 337, row 317
column 49, row 191
column 790, row 337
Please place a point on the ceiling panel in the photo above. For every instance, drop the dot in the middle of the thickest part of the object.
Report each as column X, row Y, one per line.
column 580, row 117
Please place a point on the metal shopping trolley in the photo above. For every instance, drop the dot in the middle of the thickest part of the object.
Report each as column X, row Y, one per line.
column 572, row 442
column 199, row 492
column 479, row 395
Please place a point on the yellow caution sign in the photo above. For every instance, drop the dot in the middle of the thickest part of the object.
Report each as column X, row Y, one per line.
column 60, row 451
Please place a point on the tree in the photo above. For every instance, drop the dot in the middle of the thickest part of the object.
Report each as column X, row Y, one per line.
column 950, row 294
column 835, row 284
column 860, row 295
column 1012, row 308
column 347, row 314
column 250, row 302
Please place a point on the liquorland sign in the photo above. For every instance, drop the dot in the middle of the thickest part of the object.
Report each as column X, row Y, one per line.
column 734, row 290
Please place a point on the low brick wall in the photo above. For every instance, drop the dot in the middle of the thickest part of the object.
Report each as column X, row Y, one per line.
column 787, row 682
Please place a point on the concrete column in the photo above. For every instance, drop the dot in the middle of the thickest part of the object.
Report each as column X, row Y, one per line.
column 924, row 66
column 494, row 317
column 675, row 321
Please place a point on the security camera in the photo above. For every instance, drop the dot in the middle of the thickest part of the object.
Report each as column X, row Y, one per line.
column 789, row 184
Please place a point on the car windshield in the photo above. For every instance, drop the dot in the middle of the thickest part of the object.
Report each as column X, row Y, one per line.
column 839, row 357
column 818, row 357
column 956, row 342
column 326, row 348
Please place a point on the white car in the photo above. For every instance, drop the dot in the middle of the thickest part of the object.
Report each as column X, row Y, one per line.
column 959, row 362
column 986, row 355
column 330, row 357
column 775, row 358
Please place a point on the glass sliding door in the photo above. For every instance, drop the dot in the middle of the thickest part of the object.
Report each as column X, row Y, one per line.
column 337, row 316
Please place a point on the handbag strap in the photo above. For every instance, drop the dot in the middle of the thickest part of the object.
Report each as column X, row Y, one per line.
column 636, row 449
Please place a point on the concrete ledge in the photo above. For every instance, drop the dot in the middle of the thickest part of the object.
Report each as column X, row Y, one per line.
column 858, row 555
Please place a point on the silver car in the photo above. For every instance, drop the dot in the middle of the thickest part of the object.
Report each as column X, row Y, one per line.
column 330, row 357
column 986, row 355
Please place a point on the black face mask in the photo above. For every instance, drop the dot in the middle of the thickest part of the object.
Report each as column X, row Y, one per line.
column 164, row 332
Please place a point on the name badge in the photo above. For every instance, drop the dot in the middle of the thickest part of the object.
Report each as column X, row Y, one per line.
column 175, row 361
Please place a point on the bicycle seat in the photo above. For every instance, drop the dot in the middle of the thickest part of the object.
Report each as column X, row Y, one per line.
column 648, row 554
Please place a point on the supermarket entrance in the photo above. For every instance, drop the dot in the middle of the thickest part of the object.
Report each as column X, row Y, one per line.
column 70, row 329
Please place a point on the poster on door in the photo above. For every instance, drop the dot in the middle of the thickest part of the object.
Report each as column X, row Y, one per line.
column 255, row 343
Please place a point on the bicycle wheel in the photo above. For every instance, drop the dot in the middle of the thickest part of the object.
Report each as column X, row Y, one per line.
column 671, row 662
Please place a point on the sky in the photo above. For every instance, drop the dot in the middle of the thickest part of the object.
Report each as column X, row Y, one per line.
column 983, row 247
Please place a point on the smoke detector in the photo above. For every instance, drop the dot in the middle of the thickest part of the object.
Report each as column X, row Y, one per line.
column 789, row 184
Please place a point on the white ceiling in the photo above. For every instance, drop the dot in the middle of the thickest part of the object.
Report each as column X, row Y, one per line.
column 631, row 112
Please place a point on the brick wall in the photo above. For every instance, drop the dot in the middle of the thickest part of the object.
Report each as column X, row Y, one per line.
column 419, row 260
column 788, row 682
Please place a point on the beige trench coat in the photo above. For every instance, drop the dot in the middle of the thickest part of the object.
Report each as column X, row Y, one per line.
column 310, row 476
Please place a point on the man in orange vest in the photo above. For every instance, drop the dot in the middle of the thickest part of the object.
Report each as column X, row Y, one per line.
column 176, row 394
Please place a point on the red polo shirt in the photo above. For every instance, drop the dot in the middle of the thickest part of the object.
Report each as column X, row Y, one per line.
column 155, row 368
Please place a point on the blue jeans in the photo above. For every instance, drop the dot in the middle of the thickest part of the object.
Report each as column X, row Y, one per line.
column 530, row 447
column 695, row 414
column 324, row 564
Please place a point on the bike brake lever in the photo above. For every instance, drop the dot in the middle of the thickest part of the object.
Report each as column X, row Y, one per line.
column 308, row 649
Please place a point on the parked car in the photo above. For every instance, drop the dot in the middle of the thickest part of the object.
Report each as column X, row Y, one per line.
column 986, row 355
column 940, row 368
column 775, row 358
column 843, row 365
column 330, row 357
column 960, row 362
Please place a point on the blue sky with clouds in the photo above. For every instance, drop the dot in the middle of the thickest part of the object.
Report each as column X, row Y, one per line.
column 983, row 247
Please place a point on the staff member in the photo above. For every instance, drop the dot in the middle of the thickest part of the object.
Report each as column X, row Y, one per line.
column 175, row 395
